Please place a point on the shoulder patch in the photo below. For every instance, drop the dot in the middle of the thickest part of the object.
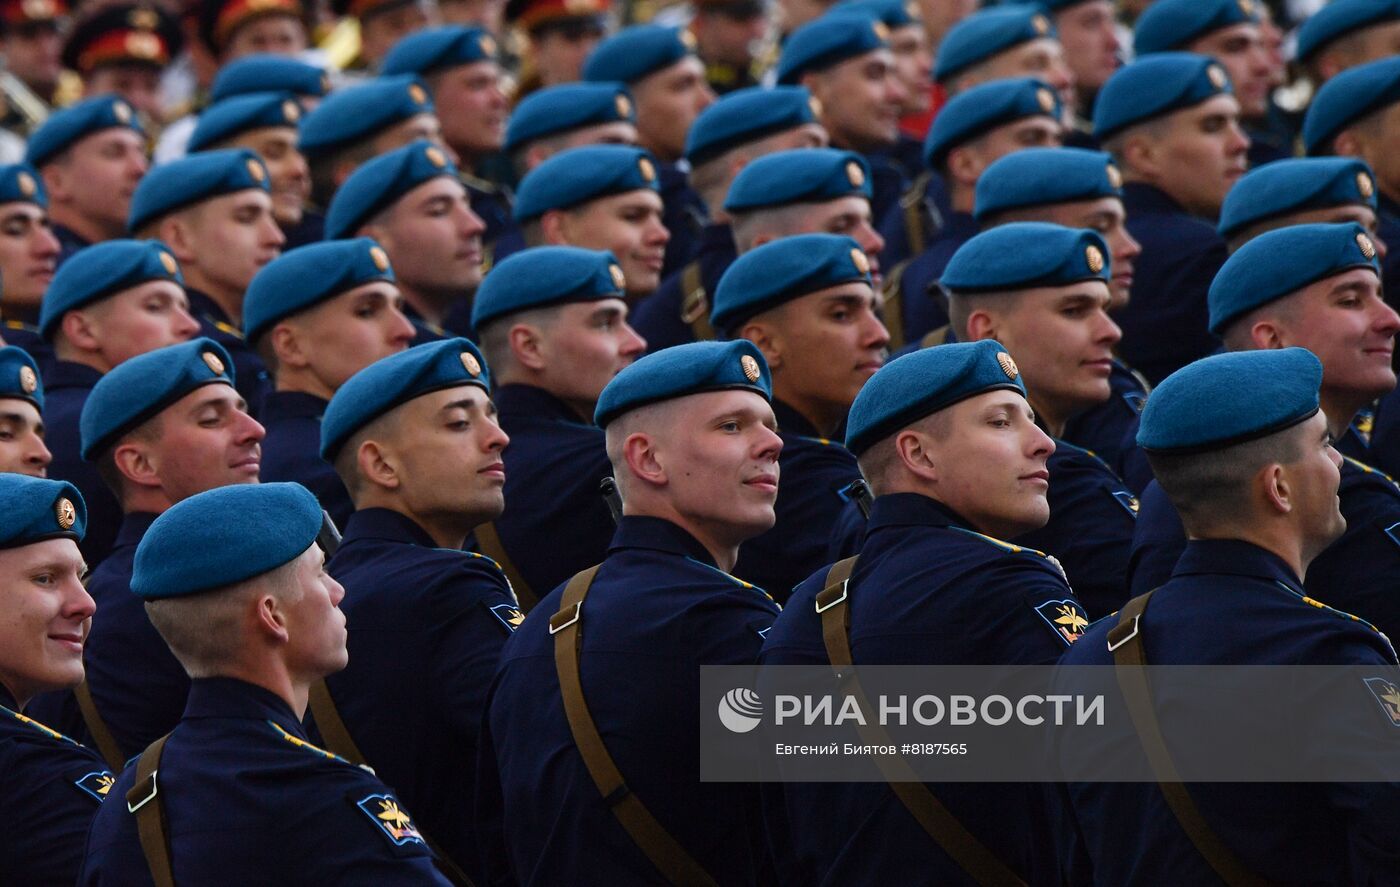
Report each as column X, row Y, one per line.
column 1135, row 400
column 1065, row 617
column 392, row 821
column 509, row 614
column 97, row 783
column 1393, row 531
column 1388, row 695
column 1128, row 501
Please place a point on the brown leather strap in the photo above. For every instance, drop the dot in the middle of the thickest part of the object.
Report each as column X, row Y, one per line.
column 892, row 301
column 489, row 541
column 1130, row 659
column 912, row 202
column 97, row 728
column 833, row 605
column 669, row 857
column 695, row 303
column 146, row 804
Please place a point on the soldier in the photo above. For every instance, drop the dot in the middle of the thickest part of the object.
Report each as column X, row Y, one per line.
column 551, row 320
column 1298, row 191
column 570, row 115
column 28, row 256
column 913, row 62
column 414, row 436
column 1172, row 126
column 1088, row 35
column 112, row 302
column 382, row 24
column 1347, row 33
column 90, row 155
column 951, row 449
column 31, row 40
column 52, row 785
column 601, row 197
column 667, row 81
column 22, row 447
column 411, row 202
column 693, row 446
column 560, row 35
column 235, row 582
column 319, row 315
column 122, row 50
column 214, row 212
column 997, row 43
column 727, row 33
column 1243, row 452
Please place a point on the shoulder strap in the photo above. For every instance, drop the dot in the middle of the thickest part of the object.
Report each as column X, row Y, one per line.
column 490, row 542
column 145, row 803
column 833, row 604
column 1129, row 659
column 669, row 857
column 912, row 202
column 695, row 303
column 101, row 734
column 892, row 301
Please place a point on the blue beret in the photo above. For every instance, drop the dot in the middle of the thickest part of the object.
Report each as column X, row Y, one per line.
column 1296, row 184
column 1172, row 24
column 828, row 41
column 682, row 370
column 802, row 175
column 1229, row 399
column 543, row 276
column 583, row 174
column 37, row 509
column 395, row 380
column 268, row 73
column 200, row 176
column 747, row 115
column 923, row 382
column 224, row 536
column 1154, row 86
column 984, row 34
column 1023, row 255
column 19, row 377
column 893, row 13
column 380, row 182
column 20, row 183
column 568, row 106
column 139, row 388
column 101, row 270
column 308, row 276
column 633, row 53
column 434, row 49
column 359, row 112
column 75, row 122
column 1348, row 97
column 1283, row 261
column 1042, row 176
column 231, row 117
column 1339, row 18
column 782, row 270
column 979, row 110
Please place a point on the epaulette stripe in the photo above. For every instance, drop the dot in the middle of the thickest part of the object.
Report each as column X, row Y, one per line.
column 47, row 731
column 1004, row 546
column 732, row 578
column 1340, row 614
column 306, row 746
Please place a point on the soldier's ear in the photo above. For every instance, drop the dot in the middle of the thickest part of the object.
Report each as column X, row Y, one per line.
column 1266, row 334
column 1271, row 481
column 526, row 346
column 912, row 449
column 77, row 328
column 377, row 466
column 286, row 345
column 1348, row 143
column 554, row 226
column 174, row 230
column 133, row 462
column 643, row 461
column 269, row 619
column 964, row 165
column 981, row 324
column 763, row 335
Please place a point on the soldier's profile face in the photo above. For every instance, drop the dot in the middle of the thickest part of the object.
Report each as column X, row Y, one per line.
column 347, row 333
column 861, row 99
column 99, row 174
column 1345, row 322
column 628, row 224
column 1200, row 154
column 1240, row 48
column 472, row 107
column 434, row 239
column 232, row 237
column 849, row 215
column 22, row 447
column 1106, row 216
column 287, row 171
column 47, row 616
column 447, row 447
column 1315, row 478
column 668, row 101
column 206, row 440
column 143, row 318
column 315, row 623
column 28, row 255
column 913, row 63
column 583, row 346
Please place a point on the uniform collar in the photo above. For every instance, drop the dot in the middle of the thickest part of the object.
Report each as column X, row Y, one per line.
column 232, row 698
column 518, row 399
column 958, row 224
column 1387, row 206
column 382, row 523
column 133, row 528
column 1142, row 197
column 791, row 423
column 203, row 303
column 718, row 238
column 292, row 405
column 658, row 534
column 70, row 374
column 913, row 510
column 68, row 237
column 1234, row 557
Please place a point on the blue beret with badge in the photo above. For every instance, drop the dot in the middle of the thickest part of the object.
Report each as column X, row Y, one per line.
column 802, row 175
column 435, row 49
column 38, row 509
column 1042, row 176
column 19, row 377
column 188, row 180
column 683, row 370
column 359, row 112
column 139, row 388
column 1154, row 86
column 979, row 110
column 984, row 34
column 1296, row 184
column 579, row 175
column 20, row 183
column 101, row 270
column 747, row 115
column 568, row 106
column 829, row 41
column 1023, row 255
column 546, row 275
column 222, row 537
column 232, row 117
column 268, row 73
column 782, row 270
column 1347, row 98
column 378, row 183
column 894, row 13
column 1173, row 24
column 1283, row 261
column 923, row 382
column 309, row 275
column 69, row 125
column 636, row 51
column 395, row 380
column 1340, row 18
column 1229, row 399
